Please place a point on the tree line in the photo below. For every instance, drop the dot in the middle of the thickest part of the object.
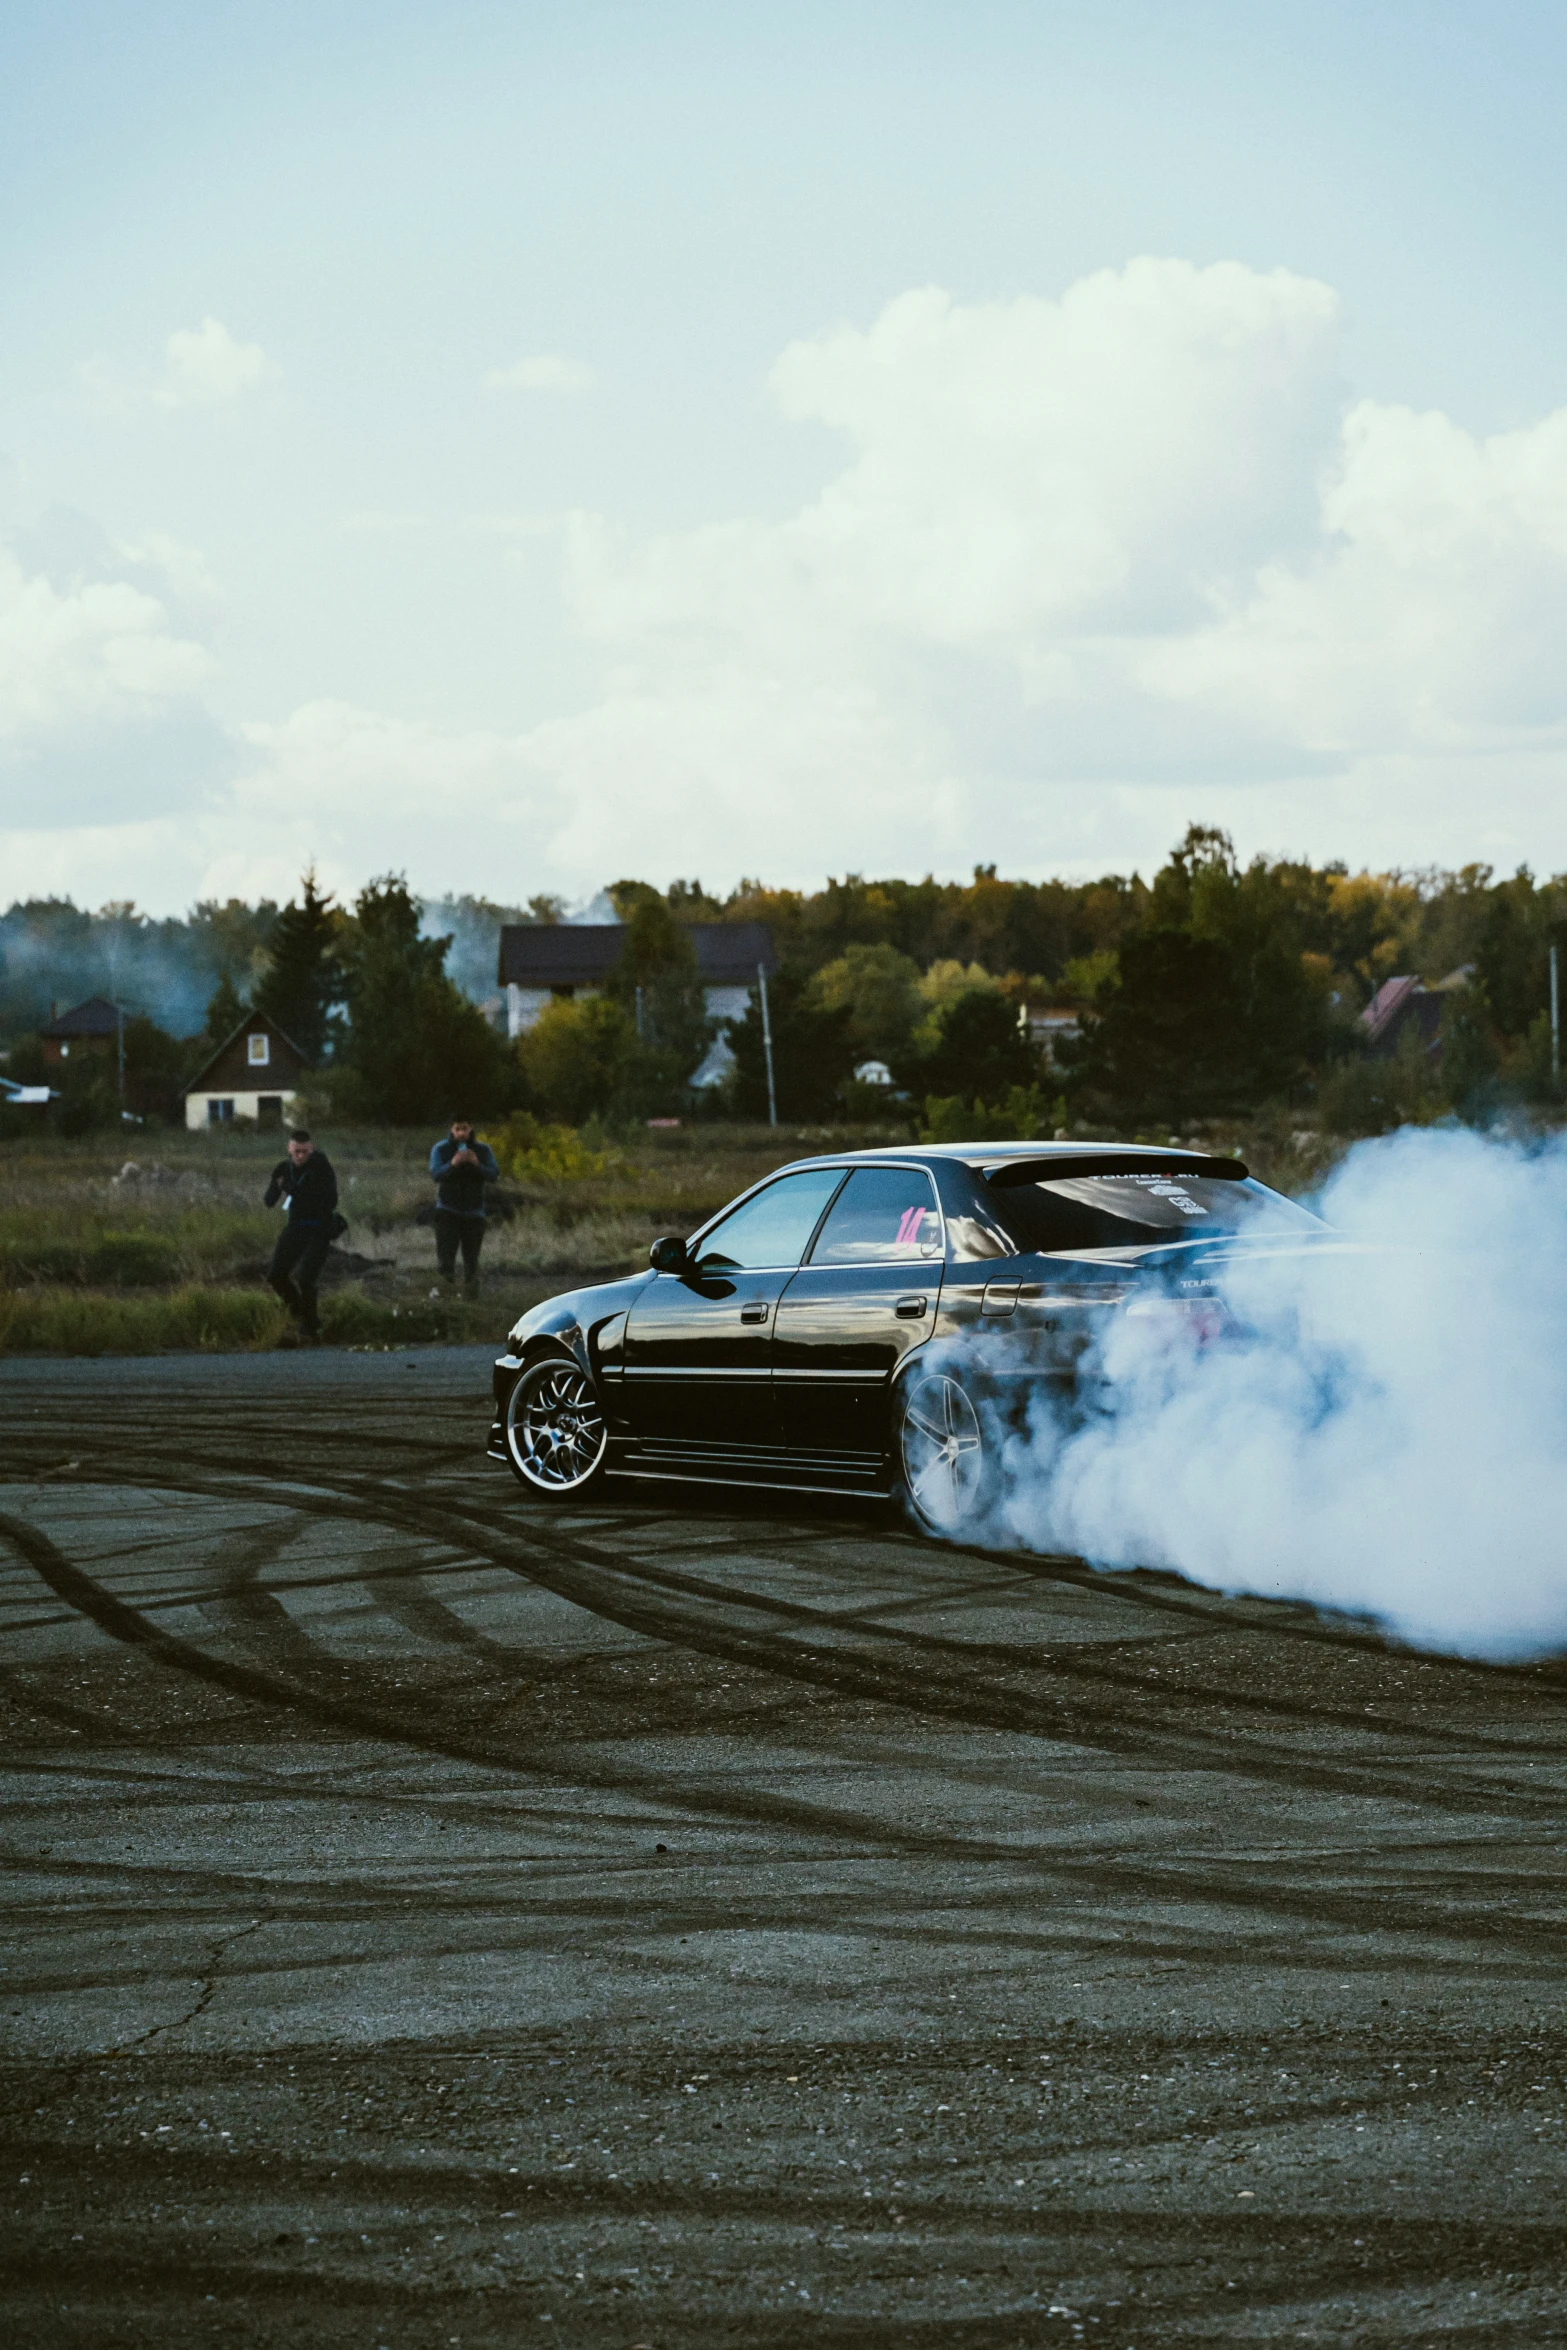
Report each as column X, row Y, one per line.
column 1211, row 990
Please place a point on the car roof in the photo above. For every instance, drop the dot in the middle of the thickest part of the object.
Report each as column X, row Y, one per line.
column 983, row 1154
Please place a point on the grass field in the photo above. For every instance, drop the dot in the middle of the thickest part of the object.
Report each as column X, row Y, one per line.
column 110, row 1246
column 115, row 1246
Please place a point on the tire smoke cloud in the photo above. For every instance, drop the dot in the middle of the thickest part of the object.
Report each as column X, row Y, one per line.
column 1388, row 1437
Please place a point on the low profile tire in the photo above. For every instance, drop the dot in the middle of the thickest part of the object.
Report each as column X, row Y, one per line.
column 556, row 1437
column 944, row 1463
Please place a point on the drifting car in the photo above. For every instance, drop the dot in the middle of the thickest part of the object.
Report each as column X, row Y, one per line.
column 835, row 1328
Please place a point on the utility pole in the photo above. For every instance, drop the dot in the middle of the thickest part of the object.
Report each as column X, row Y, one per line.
column 1556, row 1019
column 767, row 1046
column 119, row 1012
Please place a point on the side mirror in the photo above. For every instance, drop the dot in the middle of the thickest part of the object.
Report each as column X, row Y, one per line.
column 668, row 1255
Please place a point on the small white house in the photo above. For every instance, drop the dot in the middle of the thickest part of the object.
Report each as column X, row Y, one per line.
column 254, row 1074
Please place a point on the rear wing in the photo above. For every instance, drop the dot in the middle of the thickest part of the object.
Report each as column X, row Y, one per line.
column 1112, row 1162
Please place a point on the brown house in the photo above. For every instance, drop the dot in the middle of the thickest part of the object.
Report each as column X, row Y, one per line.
column 1406, row 1004
column 254, row 1073
column 92, row 1027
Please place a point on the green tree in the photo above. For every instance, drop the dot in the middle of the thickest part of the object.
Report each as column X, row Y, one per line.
column 1023, row 1115
column 971, row 1047
column 657, row 981
column 881, row 989
column 1530, row 1069
column 1512, row 962
column 812, row 1051
column 156, row 1066
column 1165, row 1040
column 1469, row 1058
column 417, row 1049
column 305, row 976
column 579, row 1056
column 1218, row 1004
column 226, row 1007
column 1372, row 1093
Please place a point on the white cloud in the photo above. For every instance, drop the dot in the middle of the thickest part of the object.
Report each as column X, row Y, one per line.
column 1136, row 542
column 1431, row 612
column 184, row 568
column 1088, row 568
column 203, row 367
column 546, row 371
column 91, row 655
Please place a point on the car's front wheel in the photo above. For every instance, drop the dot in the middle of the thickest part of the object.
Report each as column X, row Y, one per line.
column 556, row 1439
column 943, row 1458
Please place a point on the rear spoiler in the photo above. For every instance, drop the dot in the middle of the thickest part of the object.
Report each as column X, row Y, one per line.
column 1052, row 1167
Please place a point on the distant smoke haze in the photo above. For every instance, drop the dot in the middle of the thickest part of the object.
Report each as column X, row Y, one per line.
column 1392, row 1440
column 52, row 952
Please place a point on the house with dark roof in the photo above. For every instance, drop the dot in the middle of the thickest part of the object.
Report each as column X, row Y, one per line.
column 254, row 1073
column 540, row 961
column 92, row 1027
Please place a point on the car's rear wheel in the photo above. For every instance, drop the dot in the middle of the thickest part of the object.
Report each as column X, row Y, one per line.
column 943, row 1458
column 556, row 1438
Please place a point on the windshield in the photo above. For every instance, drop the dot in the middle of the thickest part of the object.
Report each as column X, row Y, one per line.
column 1143, row 1211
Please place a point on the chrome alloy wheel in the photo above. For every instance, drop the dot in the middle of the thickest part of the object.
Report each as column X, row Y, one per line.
column 943, row 1455
column 555, row 1431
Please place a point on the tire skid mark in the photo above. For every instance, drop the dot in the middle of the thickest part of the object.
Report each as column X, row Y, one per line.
column 883, row 1677
column 1211, row 1611
column 1244, row 1887
column 338, row 1714
column 1155, row 1589
column 532, row 1919
column 1071, row 1665
column 243, row 1605
column 1134, row 1588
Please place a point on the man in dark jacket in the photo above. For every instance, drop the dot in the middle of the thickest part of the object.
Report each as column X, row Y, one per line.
column 305, row 1179
column 461, row 1166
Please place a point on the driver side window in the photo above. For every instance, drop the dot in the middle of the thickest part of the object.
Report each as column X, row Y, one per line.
column 773, row 1227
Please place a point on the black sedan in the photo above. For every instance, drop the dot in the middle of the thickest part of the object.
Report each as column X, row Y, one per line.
column 796, row 1340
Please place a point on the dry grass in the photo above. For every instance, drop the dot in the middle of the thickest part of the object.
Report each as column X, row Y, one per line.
column 94, row 1259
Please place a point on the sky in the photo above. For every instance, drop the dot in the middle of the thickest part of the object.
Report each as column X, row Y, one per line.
column 527, row 445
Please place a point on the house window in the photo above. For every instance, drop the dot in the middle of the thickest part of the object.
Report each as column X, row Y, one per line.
column 219, row 1113
column 65, row 1052
column 259, row 1049
column 269, row 1109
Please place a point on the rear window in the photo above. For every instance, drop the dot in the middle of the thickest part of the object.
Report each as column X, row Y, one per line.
column 1142, row 1211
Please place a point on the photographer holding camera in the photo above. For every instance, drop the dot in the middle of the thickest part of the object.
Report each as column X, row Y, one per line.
column 305, row 1179
column 461, row 1166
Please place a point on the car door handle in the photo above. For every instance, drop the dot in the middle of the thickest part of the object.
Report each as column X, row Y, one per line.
column 909, row 1309
column 754, row 1313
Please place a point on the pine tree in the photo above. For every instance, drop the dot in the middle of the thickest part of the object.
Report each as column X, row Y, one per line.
column 226, row 1007
column 305, row 977
column 417, row 1048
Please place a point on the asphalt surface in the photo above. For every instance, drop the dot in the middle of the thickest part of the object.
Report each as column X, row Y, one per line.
column 431, row 1920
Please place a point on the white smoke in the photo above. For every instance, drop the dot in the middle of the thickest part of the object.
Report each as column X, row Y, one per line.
column 1390, row 1440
